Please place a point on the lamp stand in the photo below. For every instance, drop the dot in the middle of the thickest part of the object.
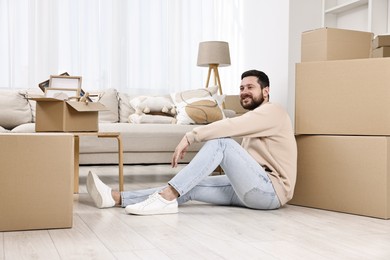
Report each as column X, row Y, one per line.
column 217, row 80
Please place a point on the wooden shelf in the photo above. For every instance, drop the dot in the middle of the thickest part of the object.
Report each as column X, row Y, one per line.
column 346, row 6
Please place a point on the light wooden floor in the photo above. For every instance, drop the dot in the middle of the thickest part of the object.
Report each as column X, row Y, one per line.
column 199, row 231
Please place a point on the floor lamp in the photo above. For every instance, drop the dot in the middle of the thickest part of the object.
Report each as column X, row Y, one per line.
column 213, row 54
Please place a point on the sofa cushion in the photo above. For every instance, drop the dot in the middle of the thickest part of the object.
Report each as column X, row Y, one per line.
column 109, row 98
column 33, row 103
column 125, row 109
column 138, row 138
column 24, row 128
column 229, row 113
column 15, row 109
column 3, row 130
column 198, row 106
column 151, row 119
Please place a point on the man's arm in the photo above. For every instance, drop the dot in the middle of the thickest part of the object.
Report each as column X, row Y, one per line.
column 180, row 151
column 263, row 121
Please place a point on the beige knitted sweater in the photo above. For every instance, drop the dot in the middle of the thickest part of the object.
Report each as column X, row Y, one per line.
column 267, row 136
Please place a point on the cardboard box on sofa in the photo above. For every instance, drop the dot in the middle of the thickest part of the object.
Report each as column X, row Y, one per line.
column 348, row 174
column 36, row 179
column 381, row 41
column 54, row 115
column 346, row 97
column 335, row 44
column 381, row 52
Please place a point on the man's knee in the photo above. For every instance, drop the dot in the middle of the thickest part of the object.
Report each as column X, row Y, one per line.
column 258, row 199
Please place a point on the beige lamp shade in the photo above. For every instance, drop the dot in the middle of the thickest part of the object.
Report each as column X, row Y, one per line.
column 213, row 52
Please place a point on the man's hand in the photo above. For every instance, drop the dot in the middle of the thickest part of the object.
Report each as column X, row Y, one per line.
column 180, row 151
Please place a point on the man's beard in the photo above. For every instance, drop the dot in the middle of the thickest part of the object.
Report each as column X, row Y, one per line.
column 253, row 103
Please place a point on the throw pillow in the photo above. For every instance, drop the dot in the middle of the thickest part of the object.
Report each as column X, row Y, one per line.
column 125, row 110
column 15, row 109
column 150, row 104
column 199, row 106
column 151, row 119
column 109, row 98
column 33, row 103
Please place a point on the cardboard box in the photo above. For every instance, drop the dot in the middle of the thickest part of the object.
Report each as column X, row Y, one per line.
column 346, row 97
column 54, row 115
column 348, row 174
column 335, row 44
column 381, row 41
column 36, row 179
column 381, row 52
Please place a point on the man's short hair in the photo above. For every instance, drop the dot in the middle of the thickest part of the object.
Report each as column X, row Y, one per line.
column 262, row 78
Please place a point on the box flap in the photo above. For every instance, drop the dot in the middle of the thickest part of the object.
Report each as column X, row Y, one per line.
column 87, row 107
column 42, row 98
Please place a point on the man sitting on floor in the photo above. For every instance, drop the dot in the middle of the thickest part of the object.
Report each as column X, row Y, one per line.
column 259, row 174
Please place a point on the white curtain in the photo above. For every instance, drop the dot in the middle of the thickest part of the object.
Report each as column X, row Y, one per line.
column 134, row 46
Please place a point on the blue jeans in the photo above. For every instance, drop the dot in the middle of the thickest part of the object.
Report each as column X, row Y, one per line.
column 245, row 183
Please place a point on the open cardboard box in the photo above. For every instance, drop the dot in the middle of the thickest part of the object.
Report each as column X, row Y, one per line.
column 55, row 115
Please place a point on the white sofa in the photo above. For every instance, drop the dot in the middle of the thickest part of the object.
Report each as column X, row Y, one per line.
column 142, row 143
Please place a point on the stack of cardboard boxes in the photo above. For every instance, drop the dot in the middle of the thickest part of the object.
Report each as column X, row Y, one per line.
column 37, row 170
column 342, row 124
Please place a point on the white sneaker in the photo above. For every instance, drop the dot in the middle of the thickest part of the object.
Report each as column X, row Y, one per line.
column 100, row 192
column 154, row 205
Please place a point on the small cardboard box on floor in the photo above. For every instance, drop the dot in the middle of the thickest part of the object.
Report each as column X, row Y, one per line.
column 344, row 97
column 37, row 172
column 335, row 44
column 54, row 115
column 348, row 174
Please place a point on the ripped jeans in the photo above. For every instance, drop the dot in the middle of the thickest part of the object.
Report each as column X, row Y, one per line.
column 245, row 183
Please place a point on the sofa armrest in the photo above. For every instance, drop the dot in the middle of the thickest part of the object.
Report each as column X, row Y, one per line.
column 232, row 102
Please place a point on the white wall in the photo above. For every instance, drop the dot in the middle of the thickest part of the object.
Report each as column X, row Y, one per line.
column 272, row 32
column 264, row 27
column 307, row 15
column 304, row 15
